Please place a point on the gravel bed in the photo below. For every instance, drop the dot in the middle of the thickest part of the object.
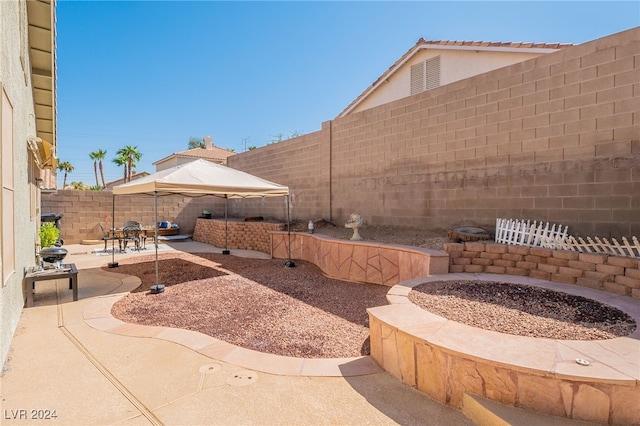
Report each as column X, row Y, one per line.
column 253, row 303
column 522, row 310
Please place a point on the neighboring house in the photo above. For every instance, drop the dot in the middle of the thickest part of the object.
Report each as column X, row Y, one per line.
column 27, row 144
column 109, row 185
column 209, row 152
column 430, row 64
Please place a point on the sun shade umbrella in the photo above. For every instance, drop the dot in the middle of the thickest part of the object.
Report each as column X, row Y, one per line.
column 200, row 178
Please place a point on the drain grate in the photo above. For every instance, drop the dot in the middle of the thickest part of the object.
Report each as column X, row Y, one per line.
column 210, row 368
column 242, row 378
column 206, row 370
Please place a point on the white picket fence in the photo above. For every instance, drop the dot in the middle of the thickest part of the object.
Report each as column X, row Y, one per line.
column 536, row 234
column 539, row 234
column 614, row 248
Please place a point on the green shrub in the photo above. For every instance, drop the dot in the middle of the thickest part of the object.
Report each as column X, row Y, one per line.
column 48, row 234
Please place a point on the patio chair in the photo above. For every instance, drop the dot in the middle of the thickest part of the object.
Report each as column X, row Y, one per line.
column 131, row 232
column 144, row 234
column 148, row 235
column 106, row 237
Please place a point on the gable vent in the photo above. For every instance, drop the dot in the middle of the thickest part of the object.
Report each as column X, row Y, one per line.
column 433, row 72
column 425, row 75
column 417, row 78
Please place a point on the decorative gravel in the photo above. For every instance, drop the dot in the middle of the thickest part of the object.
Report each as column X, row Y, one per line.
column 522, row 310
column 253, row 303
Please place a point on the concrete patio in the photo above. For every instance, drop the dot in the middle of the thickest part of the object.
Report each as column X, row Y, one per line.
column 60, row 364
column 74, row 364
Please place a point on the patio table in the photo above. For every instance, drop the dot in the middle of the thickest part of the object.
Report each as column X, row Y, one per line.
column 145, row 233
column 35, row 273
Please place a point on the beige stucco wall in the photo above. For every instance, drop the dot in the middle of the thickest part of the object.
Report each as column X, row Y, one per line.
column 171, row 162
column 13, row 27
column 454, row 65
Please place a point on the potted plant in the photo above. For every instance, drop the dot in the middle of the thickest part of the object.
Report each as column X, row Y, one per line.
column 49, row 234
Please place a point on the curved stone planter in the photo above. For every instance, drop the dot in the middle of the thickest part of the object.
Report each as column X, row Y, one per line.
column 360, row 261
column 449, row 360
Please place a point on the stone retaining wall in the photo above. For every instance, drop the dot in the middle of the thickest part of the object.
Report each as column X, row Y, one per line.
column 620, row 275
column 235, row 234
column 360, row 261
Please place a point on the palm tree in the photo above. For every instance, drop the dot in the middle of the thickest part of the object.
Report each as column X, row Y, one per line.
column 132, row 155
column 101, row 155
column 121, row 162
column 66, row 167
column 94, row 157
column 98, row 156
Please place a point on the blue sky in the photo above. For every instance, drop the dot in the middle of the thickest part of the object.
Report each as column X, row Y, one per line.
column 152, row 74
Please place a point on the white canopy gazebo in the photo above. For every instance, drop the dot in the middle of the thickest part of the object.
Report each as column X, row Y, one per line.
column 199, row 178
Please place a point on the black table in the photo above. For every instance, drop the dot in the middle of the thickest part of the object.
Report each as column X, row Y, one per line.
column 37, row 274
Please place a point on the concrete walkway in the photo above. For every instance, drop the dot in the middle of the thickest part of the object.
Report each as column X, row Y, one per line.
column 61, row 365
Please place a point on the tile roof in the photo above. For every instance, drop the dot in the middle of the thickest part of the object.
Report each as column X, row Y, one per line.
column 422, row 43
column 215, row 153
column 510, row 44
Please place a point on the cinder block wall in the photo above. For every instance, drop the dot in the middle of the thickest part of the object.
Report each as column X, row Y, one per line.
column 303, row 164
column 83, row 210
column 556, row 138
